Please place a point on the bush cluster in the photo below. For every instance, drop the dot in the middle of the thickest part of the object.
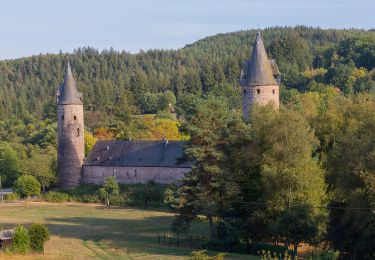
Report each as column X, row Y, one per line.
column 26, row 240
column 133, row 195
column 12, row 196
column 53, row 196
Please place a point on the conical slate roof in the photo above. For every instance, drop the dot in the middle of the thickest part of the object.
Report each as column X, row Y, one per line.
column 68, row 94
column 258, row 71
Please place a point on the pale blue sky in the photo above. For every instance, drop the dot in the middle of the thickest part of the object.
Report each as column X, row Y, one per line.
column 46, row 26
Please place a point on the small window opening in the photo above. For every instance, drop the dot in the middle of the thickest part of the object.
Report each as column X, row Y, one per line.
column 244, row 91
column 75, row 117
column 62, row 117
column 273, row 91
column 258, row 91
column 78, row 133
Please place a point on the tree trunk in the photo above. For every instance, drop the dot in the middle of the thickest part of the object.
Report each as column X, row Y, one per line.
column 295, row 246
column 107, row 201
column 212, row 228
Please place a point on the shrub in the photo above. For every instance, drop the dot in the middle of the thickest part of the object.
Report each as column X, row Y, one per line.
column 325, row 255
column 109, row 189
column 86, row 193
column 258, row 248
column 87, row 198
column 227, row 246
column 12, row 196
column 267, row 255
column 21, row 241
column 39, row 234
column 146, row 195
column 201, row 255
column 53, row 196
column 118, row 200
column 27, row 185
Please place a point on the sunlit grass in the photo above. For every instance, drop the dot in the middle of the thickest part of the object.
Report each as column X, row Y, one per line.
column 82, row 231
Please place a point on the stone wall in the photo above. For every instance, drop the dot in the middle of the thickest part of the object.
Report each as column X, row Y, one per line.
column 129, row 175
column 261, row 95
column 71, row 145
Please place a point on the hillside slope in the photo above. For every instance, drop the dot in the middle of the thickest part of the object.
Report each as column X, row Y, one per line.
column 110, row 79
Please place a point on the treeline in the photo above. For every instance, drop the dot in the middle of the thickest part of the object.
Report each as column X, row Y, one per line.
column 110, row 79
column 301, row 174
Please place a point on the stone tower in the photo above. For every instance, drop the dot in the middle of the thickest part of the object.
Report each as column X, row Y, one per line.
column 260, row 79
column 70, row 128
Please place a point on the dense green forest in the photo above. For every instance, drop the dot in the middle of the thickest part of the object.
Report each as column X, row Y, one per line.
column 110, row 79
column 302, row 174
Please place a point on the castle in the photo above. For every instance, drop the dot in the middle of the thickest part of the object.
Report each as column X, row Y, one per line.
column 260, row 79
column 143, row 161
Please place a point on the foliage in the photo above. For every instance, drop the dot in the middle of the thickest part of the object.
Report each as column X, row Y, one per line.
column 9, row 164
column 87, row 193
column 300, row 224
column 27, row 185
column 267, row 255
column 109, row 189
column 12, row 196
column 263, row 249
column 148, row 127
column 113, row 82
column 39, row 234
column 351, row 176
column 150, row 103
column 54, row 196
column 42, row 164
column 90, row 141
column 201, row 255
column 145, row 194
column 21, row 241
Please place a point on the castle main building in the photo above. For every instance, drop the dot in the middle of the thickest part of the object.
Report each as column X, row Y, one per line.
column 127, row 161
column 143, row 161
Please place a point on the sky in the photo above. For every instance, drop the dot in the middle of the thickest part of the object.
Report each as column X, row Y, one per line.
column 31, row 27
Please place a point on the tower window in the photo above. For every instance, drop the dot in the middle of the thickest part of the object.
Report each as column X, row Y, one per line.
column 75, row 117
column 78, row 132
column 244, row 91
column 273, row 91
column 258, row 91
column 62, row 117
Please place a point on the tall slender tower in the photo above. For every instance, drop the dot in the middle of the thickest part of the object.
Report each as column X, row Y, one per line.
column 70, row 128
column 260, row 79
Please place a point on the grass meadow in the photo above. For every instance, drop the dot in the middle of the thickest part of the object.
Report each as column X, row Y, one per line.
column 87, row 231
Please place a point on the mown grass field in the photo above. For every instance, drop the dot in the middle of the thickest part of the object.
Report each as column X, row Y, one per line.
column 83, row 231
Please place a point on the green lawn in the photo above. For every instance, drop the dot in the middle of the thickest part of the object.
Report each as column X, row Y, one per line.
column 83, row 231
